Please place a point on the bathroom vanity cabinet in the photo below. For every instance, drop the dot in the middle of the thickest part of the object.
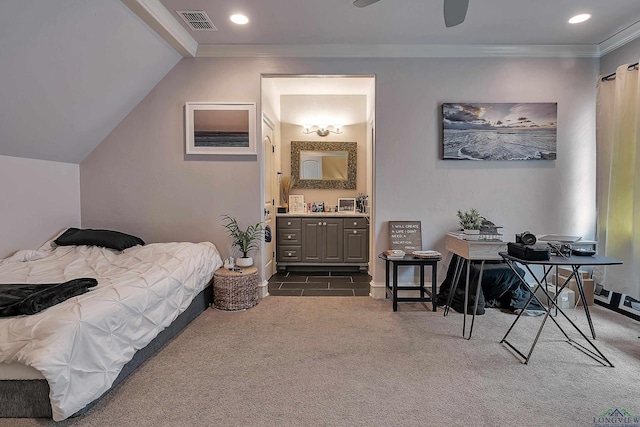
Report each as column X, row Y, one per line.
column 322, row 240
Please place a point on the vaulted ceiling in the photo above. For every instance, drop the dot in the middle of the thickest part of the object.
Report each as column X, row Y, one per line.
column 73, row 69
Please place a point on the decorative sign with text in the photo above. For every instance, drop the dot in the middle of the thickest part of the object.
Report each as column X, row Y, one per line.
column 405, row 235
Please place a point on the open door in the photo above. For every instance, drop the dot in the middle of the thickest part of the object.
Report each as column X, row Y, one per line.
column 270, row 184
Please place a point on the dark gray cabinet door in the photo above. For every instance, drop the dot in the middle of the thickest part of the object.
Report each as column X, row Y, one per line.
column 312, row 240
column 322, row 240
column 333, row 247
column 356, row 245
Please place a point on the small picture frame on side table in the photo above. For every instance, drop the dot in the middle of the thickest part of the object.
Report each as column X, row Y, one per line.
column 347, row 205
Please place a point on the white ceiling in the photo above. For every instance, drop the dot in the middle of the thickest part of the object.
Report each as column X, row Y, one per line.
column 512, row 22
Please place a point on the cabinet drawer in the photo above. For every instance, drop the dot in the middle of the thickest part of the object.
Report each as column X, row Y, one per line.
column 287, row 223
column 355, row 223
column 289, row 237
column 289, row 253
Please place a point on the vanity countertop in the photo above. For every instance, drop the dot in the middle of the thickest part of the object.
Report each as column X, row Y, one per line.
column 324, row 214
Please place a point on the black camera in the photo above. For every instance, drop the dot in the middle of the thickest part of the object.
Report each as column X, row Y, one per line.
column 526, row 238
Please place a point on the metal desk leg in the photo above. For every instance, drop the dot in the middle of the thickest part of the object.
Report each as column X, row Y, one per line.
column 596, row 355
column 466, row 299
column 580, row 287
column 395, row 287
column 454, row 284
column 475, row 306
column 434, row 279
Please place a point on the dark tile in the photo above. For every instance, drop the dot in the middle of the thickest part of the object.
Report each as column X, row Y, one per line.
column 342, row 273
column 305, row 285
column 363, row 285
column 341, row 280
column 361, row 278
column 327, row 293
column 295, row 278
column 318, row 275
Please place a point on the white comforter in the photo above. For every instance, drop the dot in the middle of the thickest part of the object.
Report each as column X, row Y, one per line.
column 81, row 345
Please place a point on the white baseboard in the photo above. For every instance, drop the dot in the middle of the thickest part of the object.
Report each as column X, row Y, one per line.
column 263, row 289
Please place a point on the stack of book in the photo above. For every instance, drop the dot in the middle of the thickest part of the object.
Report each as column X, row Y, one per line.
column 427, row 254
column 394, row 254
column 491, row 233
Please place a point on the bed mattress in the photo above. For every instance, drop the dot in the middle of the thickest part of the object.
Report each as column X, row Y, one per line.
column 80, row 345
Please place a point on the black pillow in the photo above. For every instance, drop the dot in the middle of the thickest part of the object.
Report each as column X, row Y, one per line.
column 105, row 238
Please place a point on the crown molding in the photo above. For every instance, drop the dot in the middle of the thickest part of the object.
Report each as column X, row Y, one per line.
column 396, row 51
column 156, row 16
column 620, row 39
column 162, row 21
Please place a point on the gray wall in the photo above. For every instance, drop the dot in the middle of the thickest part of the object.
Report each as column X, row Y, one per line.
column 39, row 199
column 139, row 180
column 71, row 71
column 627, row 54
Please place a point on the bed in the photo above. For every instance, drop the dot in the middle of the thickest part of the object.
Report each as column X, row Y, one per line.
column 58, row 362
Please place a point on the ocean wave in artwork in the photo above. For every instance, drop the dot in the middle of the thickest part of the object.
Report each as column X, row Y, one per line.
column 512, row 144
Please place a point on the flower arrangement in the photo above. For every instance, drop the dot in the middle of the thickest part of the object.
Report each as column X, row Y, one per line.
column 285, row 189
column 470, row 220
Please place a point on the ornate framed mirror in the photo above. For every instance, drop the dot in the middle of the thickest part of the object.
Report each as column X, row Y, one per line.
column 324, row 165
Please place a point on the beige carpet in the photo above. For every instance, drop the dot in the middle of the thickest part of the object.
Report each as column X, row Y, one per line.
column 336, row 361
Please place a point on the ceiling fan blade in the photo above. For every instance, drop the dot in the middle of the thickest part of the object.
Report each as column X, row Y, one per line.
column 364, row 3
column 455, row 11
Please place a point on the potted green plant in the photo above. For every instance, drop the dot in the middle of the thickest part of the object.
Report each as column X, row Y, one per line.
column 471, row 222
column 246, row 241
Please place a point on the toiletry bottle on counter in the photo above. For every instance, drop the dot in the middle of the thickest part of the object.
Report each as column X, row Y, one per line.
column 314, row 208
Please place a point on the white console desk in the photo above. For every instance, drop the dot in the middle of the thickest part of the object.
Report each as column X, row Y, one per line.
column 468, row 251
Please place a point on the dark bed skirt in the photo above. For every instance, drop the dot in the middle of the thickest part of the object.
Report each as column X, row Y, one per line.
column 30, row 398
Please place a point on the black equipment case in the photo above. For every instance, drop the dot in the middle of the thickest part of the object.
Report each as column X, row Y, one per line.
column 529, row 252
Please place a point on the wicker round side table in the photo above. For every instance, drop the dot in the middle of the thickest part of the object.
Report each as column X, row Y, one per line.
column 235, row 290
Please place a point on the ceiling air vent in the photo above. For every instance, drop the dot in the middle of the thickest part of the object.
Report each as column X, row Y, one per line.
column 197, row 20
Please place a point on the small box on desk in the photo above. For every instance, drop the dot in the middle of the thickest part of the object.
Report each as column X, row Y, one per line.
column 566, row 299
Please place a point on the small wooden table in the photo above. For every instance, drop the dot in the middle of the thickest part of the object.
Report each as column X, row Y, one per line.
column 426, row 295
column 235, row 290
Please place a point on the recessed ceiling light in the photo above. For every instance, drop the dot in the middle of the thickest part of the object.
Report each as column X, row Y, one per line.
column 239, row 19
column 579, row 18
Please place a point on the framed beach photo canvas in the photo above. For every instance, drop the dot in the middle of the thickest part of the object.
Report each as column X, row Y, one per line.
column 220, row 128
column 500, row 131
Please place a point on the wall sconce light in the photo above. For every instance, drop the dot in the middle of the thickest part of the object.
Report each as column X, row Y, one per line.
column 321, row 130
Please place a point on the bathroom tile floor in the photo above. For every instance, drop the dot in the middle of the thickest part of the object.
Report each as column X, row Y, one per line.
column 309, row 284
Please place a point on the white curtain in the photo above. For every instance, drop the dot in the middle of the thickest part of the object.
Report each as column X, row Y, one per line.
column 618, row 179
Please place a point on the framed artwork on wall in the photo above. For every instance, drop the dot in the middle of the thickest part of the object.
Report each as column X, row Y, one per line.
column 220, row 128
column 500, row 131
